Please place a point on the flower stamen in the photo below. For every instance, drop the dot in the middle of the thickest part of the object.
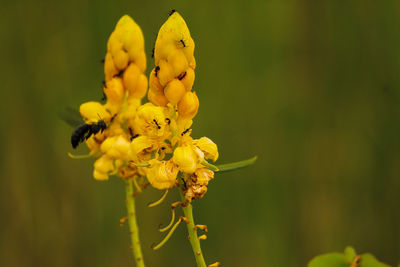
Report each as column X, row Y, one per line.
column 150, row 205
column 166, row 238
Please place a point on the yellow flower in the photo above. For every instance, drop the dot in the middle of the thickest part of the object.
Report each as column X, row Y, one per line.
column 102, row 167
column 187, row 158
column 162, row 174
column 209, row 148
column 140, row 145
column 150, row 120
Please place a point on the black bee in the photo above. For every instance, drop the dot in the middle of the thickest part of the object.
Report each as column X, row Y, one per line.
column 171, row 12
column 156, row 70
column 84, row 131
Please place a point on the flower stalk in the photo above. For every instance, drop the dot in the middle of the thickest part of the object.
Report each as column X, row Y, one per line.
column 133, row 227
column 193, row 238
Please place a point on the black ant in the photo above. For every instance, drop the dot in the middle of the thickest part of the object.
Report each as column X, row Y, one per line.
column 185, row 131
column 102, row 61
column 104, row 98
column 156, row 70
column 183, row 43
column 86, row 130
column 171, row 12
column 168, row 121
column 152, row 53
column 158, row 126
column 180, row 77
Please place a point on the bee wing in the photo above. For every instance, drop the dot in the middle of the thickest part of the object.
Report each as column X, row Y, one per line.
column 71, row 116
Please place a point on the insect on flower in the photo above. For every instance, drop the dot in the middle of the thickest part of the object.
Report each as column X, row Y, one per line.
column 84, row 131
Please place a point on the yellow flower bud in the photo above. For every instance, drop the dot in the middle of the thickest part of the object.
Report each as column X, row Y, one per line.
column 114, row 90
column 165, row 73
column 162, row 174
column 174, row 91
column 157, row 99
column 188, row 79
column 186, row 159
column 93, row 112
column 109, row 67
column 155, row 83
column 209, row 148
column 120, row 57
column 188, row 106
column 174, row 34
column 117, row 147
column 102, row 167
column 141, row 87
column 178, row 62
column 130, row 77
column 141, row 61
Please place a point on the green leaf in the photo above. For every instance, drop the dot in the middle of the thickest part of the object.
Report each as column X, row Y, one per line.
column 236, row 165
column 369, row 260
column 329, row 260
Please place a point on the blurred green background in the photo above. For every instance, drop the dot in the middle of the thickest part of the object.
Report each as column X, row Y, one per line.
column 311, row 87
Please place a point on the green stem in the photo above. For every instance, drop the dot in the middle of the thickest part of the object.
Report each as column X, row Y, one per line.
column 194, row 241
column 133, row 228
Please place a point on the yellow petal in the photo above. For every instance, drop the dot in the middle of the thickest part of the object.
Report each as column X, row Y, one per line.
column 186, row 159
column 209, row 148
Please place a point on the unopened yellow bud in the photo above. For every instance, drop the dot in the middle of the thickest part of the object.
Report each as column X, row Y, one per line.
column 157, row 98
column 162, row 174
column 131, row 76
column 178, row 61
column 209, row 148
column 120, row 57
column 174, row 34
column 165, row 72
column 188, row 106
column 114, row 90
column 93, row 112
column 154, row 83
column 174, row 91
column 135, row 82
column 109, row 67
column 117, row 147
column 102, row 167
column 188, row 78
column 141, row 61
column 186, row 159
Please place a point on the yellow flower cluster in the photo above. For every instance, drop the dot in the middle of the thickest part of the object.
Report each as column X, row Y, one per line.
column 150, row 140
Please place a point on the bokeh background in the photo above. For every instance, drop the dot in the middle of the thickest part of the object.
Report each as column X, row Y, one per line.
column 311, row 87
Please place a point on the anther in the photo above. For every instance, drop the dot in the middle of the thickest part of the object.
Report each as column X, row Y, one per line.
column 201, row 227
column 168, row 235
column 202, row 237
column 170, row 223
column 215, row 264
column 72, row 156
column 158, row 201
